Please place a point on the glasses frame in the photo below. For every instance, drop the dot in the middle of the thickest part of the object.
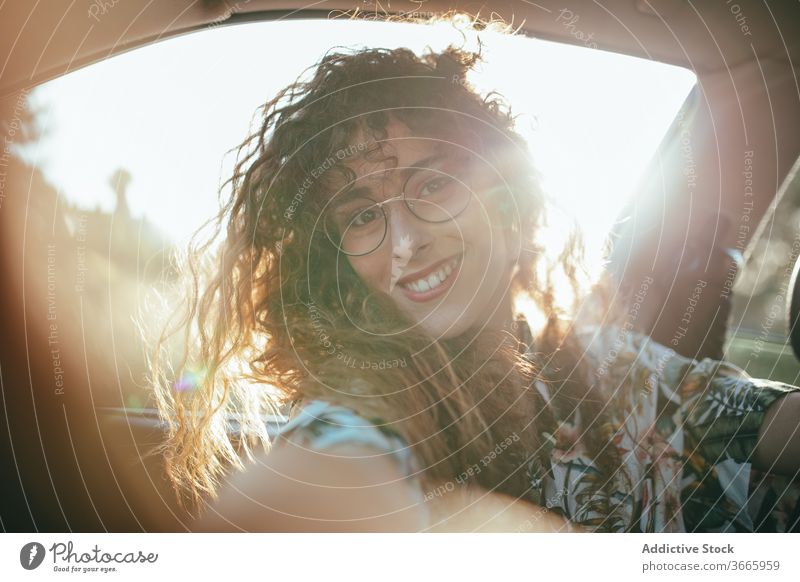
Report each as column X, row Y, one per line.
column 383, row 203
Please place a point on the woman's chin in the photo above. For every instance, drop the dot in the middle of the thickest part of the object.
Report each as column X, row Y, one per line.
column 444, row 326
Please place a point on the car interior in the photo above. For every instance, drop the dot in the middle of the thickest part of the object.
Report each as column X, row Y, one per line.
column 713, row 221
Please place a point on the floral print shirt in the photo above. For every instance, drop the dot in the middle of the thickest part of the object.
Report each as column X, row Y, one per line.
column 685, row 430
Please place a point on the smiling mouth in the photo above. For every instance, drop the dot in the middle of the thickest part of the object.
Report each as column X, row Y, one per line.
column 433, row 284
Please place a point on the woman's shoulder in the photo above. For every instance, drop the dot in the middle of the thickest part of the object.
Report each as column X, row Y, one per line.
column 321, row 425
column 613, row 353
column 327, row 471
column 614, row 348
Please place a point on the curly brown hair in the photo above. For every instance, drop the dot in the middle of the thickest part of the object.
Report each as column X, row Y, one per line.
column 269, row 296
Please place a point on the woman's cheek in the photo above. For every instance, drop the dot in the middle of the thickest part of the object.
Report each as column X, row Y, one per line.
column 379, row 279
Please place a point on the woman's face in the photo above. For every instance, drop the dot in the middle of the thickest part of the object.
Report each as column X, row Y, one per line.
column 446, row 275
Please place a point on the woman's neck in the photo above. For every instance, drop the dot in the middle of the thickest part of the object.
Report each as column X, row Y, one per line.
column 503, row 316
column 504, row 319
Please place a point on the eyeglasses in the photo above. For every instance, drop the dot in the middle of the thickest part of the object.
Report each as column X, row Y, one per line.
column 358, row 225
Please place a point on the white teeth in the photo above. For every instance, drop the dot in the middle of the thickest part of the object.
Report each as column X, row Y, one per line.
column 433, row 280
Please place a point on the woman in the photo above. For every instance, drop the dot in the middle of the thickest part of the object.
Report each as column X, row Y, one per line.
column 383, row 228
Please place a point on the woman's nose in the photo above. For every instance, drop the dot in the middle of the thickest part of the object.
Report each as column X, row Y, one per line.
column 406, row 230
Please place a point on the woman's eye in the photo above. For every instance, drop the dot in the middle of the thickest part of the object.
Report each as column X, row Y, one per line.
column 435, row 185
column 363, row 217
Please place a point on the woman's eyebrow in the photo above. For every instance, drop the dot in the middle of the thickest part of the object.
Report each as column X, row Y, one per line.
column 347, row 195
column 423, row 164
column 406, row 173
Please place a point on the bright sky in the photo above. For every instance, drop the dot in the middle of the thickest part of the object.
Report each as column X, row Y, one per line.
column 169, row 112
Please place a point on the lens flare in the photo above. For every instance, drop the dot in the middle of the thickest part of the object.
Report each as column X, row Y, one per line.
column 190, row 379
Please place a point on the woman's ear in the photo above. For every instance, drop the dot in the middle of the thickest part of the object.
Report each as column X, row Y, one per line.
column 514, row 242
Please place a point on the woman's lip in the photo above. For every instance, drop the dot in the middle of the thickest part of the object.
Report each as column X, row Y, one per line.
column 425, row 272
column 422, row 296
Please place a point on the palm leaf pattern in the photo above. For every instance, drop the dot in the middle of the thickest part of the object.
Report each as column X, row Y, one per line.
column 686, row 430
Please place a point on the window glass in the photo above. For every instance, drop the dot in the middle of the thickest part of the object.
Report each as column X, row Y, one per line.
column 758, row 328
column 135, row 148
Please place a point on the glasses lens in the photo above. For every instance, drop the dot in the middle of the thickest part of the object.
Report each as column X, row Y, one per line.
column 439, row 194
column 357, row 226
